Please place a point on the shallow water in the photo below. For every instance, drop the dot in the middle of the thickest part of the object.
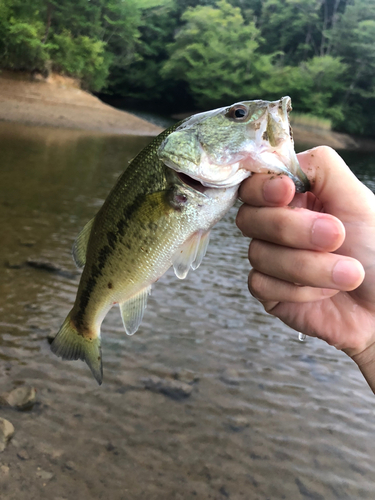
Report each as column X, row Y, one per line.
column 269, row 418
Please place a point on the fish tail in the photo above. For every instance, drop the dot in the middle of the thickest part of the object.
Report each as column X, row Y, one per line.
column 70, row 344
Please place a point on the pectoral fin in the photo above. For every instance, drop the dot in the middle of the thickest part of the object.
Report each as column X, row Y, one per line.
column 79, row 249
column 132, row 310
column 190, row 254
column 201, row 250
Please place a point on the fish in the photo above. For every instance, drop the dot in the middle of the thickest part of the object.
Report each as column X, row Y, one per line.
column 161, row 211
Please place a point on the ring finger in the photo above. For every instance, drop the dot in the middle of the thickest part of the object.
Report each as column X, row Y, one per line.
column 306, row 267
column 268, row 289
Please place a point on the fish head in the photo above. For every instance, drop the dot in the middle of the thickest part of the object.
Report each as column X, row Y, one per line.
column 220, row 148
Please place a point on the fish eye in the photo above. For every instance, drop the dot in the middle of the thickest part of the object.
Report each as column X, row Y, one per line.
column 238, row 112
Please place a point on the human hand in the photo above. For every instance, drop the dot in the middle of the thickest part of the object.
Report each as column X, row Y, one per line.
column 313, row 254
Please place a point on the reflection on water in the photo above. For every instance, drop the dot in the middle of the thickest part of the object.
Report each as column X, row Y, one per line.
column 363, row 165
column 269, row 417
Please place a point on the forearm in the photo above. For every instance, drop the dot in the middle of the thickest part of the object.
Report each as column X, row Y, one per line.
column 366, row 363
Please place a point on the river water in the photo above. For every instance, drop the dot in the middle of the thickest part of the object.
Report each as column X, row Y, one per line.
column 269, row 417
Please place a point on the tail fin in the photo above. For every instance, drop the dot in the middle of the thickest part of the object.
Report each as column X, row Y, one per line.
column 70, row 344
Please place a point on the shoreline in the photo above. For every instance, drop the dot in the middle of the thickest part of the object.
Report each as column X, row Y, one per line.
column 58, row 102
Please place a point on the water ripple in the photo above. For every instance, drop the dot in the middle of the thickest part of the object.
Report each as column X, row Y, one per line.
column 269, row 417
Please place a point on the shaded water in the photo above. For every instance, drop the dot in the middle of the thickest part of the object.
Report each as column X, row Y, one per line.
column 269, row 417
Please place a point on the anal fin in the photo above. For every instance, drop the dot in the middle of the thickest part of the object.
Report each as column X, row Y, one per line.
column 133, row 309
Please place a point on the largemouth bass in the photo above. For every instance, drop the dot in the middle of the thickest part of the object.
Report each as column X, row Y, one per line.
column 161, row 211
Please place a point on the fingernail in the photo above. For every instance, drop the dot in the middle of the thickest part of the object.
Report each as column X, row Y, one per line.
column 275, row 190
column 324, row 233
column 347, row 273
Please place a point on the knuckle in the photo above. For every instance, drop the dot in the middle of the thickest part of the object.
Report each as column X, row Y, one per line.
column 255, row 253
column 280, row 228
column 256, row 284
column 326, row 153
column 240, row 217
column 324, row 150
column 295, row 270
column 242, row 191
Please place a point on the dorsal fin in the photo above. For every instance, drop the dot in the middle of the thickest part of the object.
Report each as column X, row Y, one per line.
column 132, row 310
column 79, row 249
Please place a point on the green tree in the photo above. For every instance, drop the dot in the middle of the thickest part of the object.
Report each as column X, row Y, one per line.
column 300, row 28
column 316, row 85
column 353, row 39
column 142, row 79
column 205, row 53
column 216, row 54
column 291, row 26
column 86, row 39
column 21, row 34
column 110, row 28
column 22, row 47
column 82, row 57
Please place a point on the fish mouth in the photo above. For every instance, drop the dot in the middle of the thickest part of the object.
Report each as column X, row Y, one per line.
column 192, row 183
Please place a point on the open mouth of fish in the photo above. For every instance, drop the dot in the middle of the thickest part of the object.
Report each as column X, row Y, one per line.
column 193, row 183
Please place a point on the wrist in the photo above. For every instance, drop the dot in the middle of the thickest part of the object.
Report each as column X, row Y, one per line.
column 365, row 361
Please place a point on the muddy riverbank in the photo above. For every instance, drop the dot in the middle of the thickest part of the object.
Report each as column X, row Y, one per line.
column 59, row 102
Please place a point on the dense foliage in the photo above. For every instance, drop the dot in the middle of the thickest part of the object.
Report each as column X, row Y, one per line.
column 205, row 53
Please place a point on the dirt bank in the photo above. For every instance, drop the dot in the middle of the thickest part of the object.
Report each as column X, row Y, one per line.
column 59, row 102
column 313, row 137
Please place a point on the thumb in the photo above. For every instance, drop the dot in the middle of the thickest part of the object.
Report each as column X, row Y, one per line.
column 345, row 197
column 335, row 185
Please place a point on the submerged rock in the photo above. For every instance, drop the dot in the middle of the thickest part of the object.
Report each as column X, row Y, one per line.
column 6, row 433
column 230, row 376
column 4, row 470
column 51, row 337
column 70, row 465
column 46, row 265
column 23, row 455
column 174, row 389
column 186, row 376
column 237, row 423
column 14, row 263
column 43, row 474
column 41, row 264
column 22, row 398
column 27, row 243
